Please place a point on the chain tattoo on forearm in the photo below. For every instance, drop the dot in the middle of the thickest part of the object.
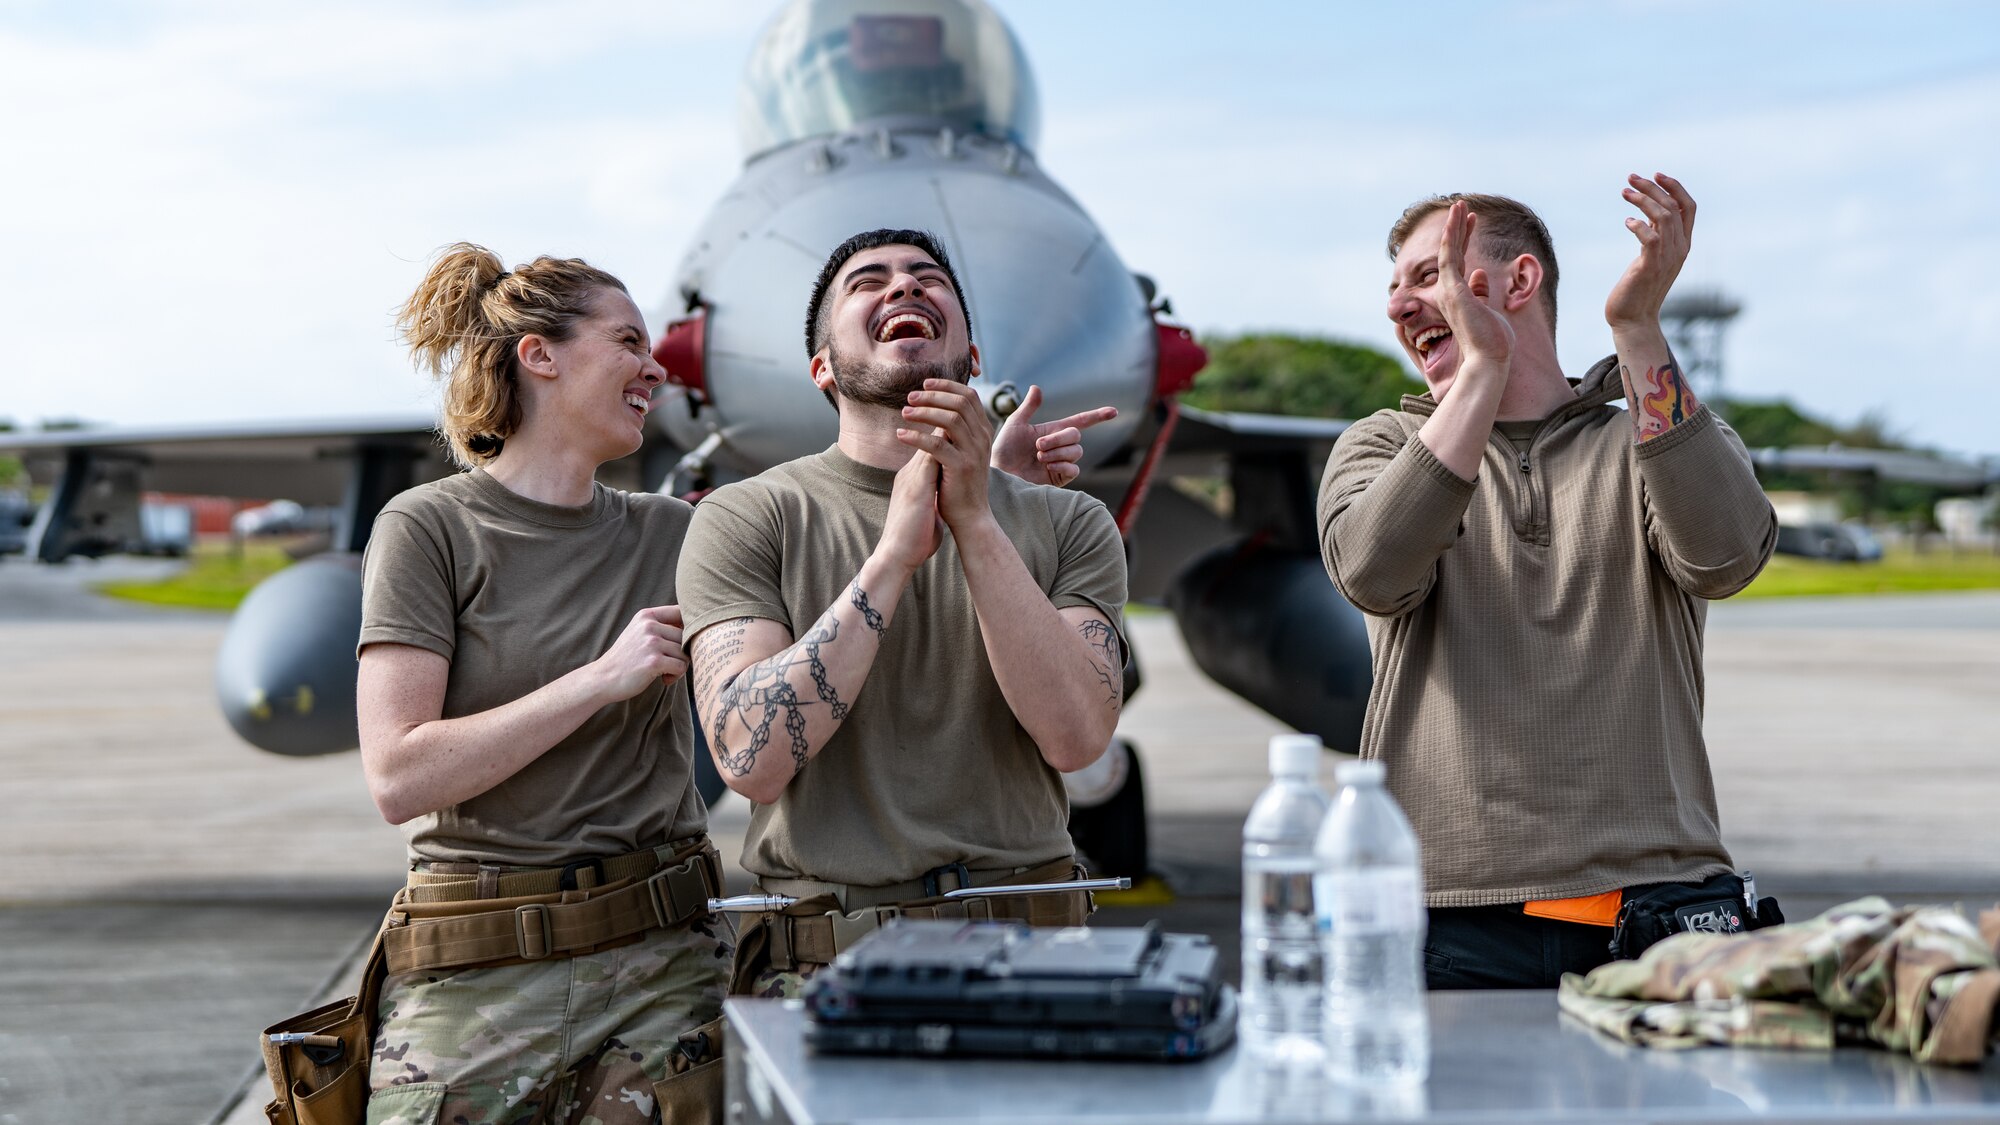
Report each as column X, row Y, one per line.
column 759, row 694
column 869, row 615
column 1104, row 659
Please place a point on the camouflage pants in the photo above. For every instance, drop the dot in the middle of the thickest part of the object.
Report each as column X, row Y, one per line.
column 781, row 984
column 578, row 1040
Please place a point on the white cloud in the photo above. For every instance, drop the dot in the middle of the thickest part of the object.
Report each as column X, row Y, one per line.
column 1855, row 231
column 212, row 218
column 211, row 214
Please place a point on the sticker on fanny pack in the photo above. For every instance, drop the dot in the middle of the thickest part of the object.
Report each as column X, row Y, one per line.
column 1717, row 916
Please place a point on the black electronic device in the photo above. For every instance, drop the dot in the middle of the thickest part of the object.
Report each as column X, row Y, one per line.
column 985, row 988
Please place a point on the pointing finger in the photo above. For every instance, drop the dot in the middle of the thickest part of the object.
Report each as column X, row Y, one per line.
column 1086, row 419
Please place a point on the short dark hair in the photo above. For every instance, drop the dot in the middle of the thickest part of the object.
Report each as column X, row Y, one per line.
column 1507, row 229
column 818, row 314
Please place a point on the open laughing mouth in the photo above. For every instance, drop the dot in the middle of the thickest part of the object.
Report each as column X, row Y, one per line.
column 639, row 401
column 906, row 325
column 1432, row 345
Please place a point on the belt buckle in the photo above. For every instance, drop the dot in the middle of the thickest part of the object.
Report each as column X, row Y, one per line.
column 931, row 884
column 567, row 880
column 661, row 888
column 540, row 929
column 850, row 928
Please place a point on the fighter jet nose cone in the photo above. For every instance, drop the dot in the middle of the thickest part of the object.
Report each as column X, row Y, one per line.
column 285, row 674
column 826, row 66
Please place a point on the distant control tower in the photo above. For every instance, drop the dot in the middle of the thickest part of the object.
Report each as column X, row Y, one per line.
column 1694, row 321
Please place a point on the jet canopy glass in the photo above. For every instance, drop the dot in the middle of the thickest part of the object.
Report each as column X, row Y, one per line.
column 826, row 66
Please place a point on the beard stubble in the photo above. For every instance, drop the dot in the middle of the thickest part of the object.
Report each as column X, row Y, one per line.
column 889, row 384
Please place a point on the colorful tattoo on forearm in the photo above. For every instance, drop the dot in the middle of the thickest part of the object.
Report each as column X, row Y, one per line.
column 1660, row 399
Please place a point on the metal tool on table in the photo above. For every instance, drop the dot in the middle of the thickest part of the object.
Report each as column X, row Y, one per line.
column 759, row 903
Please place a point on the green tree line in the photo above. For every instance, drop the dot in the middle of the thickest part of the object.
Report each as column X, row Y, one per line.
column 13, row 475
column 1277, row 373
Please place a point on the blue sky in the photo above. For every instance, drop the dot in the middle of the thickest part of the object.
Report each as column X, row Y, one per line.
column 210, row 208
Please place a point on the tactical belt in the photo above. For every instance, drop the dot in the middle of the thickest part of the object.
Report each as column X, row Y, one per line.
column 931, row 884
column 442, row 921
column 817, row 938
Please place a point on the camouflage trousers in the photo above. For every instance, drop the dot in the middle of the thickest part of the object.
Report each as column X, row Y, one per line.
column 577, row 1040
column 768, row 983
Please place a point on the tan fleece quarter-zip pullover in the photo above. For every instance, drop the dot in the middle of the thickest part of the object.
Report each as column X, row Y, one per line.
column 1537, row 638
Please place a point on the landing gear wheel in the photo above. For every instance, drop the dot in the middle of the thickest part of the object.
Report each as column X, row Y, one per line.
column 1109, row 825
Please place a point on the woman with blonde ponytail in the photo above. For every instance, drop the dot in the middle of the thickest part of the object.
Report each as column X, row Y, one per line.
column 523, row 718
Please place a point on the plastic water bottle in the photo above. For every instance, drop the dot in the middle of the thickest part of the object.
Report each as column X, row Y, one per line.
column 1371, row 908
column 1279, row 1014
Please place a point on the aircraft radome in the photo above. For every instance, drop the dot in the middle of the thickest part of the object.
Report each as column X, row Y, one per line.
column 856, row 114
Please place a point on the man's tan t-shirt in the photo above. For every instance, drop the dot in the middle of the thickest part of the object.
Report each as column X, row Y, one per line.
column 517, row 593
column 930, row 767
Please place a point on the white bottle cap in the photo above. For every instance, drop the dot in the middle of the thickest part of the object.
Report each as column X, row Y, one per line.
column 1359, row 773
column 1295, row 755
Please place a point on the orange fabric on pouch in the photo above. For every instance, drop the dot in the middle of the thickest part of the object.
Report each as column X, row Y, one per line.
column 1591, row 910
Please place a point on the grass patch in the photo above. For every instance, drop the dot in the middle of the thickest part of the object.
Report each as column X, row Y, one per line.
column 215, row 578
column 1898, row 572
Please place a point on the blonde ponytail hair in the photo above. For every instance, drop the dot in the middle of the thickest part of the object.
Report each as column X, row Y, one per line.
column 464, row 323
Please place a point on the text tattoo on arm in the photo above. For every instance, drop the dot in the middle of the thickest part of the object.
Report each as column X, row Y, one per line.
column 761, row 694
column 1105, row 659
column 1661, row 399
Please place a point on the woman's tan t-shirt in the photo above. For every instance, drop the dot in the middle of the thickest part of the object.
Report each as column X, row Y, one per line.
column 516, row 593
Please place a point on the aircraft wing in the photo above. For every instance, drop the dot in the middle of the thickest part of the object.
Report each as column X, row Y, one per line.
column 307, row 461
column 1887, row 464
column 1207, row 433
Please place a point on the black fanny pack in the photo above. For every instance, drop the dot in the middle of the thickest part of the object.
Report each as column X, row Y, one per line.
column 1724, row 904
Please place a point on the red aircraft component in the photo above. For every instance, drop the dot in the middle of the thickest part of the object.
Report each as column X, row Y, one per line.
column 681, row 349
column 1179, row 359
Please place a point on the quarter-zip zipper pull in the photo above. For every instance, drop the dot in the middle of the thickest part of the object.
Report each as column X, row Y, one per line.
column 1524, row 461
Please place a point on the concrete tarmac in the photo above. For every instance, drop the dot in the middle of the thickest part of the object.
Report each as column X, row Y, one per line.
column 167, row 891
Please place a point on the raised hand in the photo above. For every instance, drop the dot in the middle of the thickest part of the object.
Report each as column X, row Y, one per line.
column 1480, row 331
column 1044, row 452
column 913, row 531
column 947, row 421
column 648, row 649
column 1664, row 235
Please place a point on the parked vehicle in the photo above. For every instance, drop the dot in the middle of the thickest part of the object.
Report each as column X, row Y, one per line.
column 1838, row 542
column 17, row 515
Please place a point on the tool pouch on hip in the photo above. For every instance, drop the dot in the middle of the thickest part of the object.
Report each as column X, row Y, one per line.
column 1716, row 906
column 318, row 1061
column 692, row 1091
column 761, row 942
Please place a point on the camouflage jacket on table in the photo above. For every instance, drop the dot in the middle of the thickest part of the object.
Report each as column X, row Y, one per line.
column 1916, row 979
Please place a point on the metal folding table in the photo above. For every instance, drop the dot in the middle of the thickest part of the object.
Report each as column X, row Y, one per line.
column 1496, row 1057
